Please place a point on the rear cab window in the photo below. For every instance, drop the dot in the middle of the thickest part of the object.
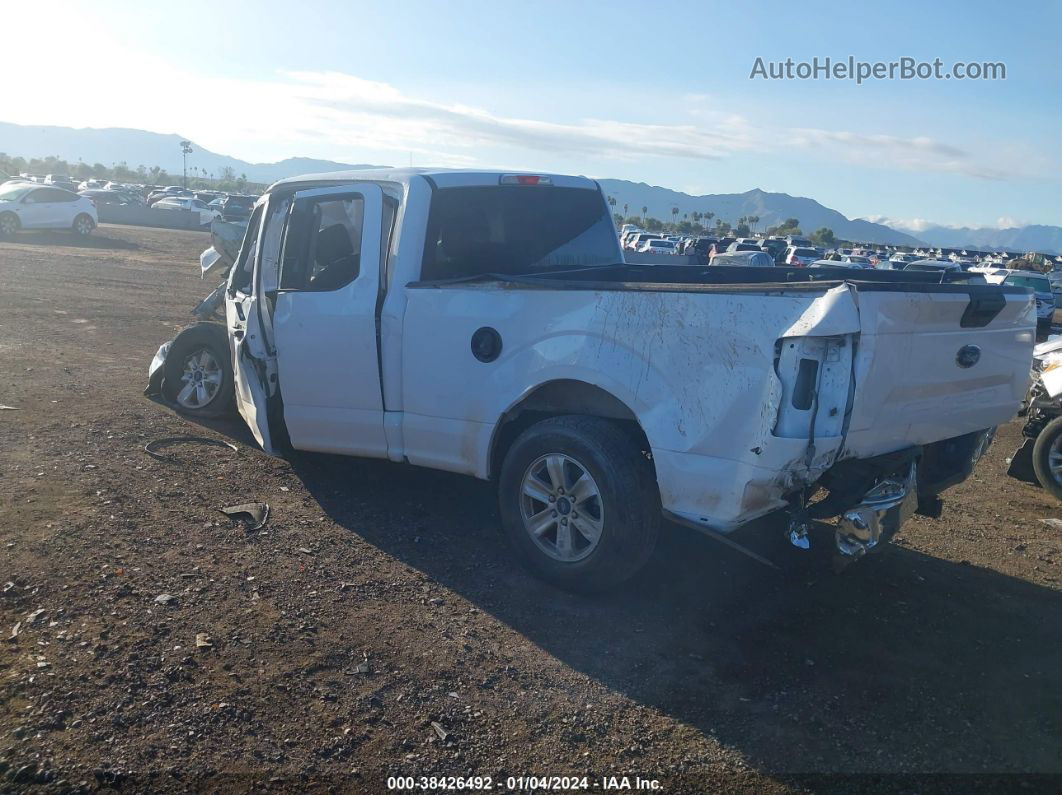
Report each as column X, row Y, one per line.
column 516, row 230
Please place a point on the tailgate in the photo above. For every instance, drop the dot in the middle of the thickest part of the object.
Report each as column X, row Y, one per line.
column 934, row 362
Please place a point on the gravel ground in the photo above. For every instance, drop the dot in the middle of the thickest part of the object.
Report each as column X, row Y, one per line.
column 376, row 626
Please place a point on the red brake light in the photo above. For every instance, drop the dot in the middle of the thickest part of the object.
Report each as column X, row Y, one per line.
column 524, row 179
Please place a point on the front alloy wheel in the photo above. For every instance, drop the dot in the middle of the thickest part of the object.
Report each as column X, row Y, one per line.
column 201, row 379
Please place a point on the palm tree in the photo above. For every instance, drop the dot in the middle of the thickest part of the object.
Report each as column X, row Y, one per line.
column 708, row 218
column 752, row 221
column 674, row 215
column 624, row 210
column 645, row 211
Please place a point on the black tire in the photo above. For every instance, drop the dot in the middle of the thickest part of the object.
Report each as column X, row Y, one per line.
column 628, row 496
column 9, row 224
column 1041, row 454
column 83, row 225
column 192, row 342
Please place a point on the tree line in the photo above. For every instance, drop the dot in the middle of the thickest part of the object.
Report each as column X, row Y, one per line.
column 698, row 223
column 226, row 179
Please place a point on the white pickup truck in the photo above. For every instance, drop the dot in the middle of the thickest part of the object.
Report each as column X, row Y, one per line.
column 485, row 323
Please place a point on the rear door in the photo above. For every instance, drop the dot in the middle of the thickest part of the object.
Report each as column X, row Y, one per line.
column 323, row 324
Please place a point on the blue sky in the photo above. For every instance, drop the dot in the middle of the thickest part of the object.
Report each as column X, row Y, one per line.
column 654, row 92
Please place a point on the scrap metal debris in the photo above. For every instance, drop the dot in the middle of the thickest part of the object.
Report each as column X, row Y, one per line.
column 152, row 448
column 203, row 641
column 439, row 730
column 257, row 512
column 8, row 408
column 32, row 617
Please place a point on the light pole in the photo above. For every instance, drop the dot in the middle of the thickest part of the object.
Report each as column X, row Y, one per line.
column 186, row 149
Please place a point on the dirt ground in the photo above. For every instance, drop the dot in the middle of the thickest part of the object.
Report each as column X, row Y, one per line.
column 377, row 626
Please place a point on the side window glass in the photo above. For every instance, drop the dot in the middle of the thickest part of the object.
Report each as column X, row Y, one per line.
column 244, row 267
column 322, row 249
column 272, row 240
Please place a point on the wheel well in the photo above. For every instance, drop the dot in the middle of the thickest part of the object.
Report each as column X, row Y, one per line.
column 558, row 398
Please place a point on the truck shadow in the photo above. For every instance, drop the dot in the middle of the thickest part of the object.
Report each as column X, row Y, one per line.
column 906, row 662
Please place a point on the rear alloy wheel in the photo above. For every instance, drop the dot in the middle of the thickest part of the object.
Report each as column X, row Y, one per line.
column 8, row 224
column 579, row 502
column 561, row 507
column 83, row 225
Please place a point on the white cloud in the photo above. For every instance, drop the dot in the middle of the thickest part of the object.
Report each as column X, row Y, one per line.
column 905, row 224
column 384, row 113
column 1009, row 222
column 342, row 116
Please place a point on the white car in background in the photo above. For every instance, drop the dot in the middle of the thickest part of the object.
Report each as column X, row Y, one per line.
column 800, row 256
column 657, row 246
column 27, row 205
column 857, row 261
column 1039, row 283
column 206, row 214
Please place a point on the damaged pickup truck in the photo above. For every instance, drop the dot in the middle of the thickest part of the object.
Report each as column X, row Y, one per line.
column 485, row 323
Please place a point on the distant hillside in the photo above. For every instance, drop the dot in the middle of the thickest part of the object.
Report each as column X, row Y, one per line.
column 772, row 209
column 137, row 147
column 1038, row 237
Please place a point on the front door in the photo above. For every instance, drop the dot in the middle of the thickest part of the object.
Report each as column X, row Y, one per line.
column 36, row 210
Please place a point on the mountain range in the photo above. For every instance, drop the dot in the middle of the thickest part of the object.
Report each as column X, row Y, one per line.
column 139, row 147
column 113, row 145
column 771, row 208
column 1035, row 237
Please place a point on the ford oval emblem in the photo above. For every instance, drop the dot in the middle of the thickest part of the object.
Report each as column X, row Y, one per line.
column 968, row 356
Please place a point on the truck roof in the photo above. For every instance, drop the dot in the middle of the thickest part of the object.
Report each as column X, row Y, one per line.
column 443, row 177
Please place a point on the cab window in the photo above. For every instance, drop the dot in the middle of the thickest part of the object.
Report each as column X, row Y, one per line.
column 322, row 247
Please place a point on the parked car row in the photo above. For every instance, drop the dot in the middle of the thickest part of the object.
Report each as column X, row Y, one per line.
column 56, row 202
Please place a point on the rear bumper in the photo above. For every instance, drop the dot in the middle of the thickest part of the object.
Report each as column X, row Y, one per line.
column 872, row 497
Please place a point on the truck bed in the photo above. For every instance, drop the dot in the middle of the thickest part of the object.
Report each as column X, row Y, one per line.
column 747, row 381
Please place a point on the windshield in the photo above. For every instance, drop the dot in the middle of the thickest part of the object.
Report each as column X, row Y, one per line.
column 517, row 230
column 12, row 193
column 1037, row 283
